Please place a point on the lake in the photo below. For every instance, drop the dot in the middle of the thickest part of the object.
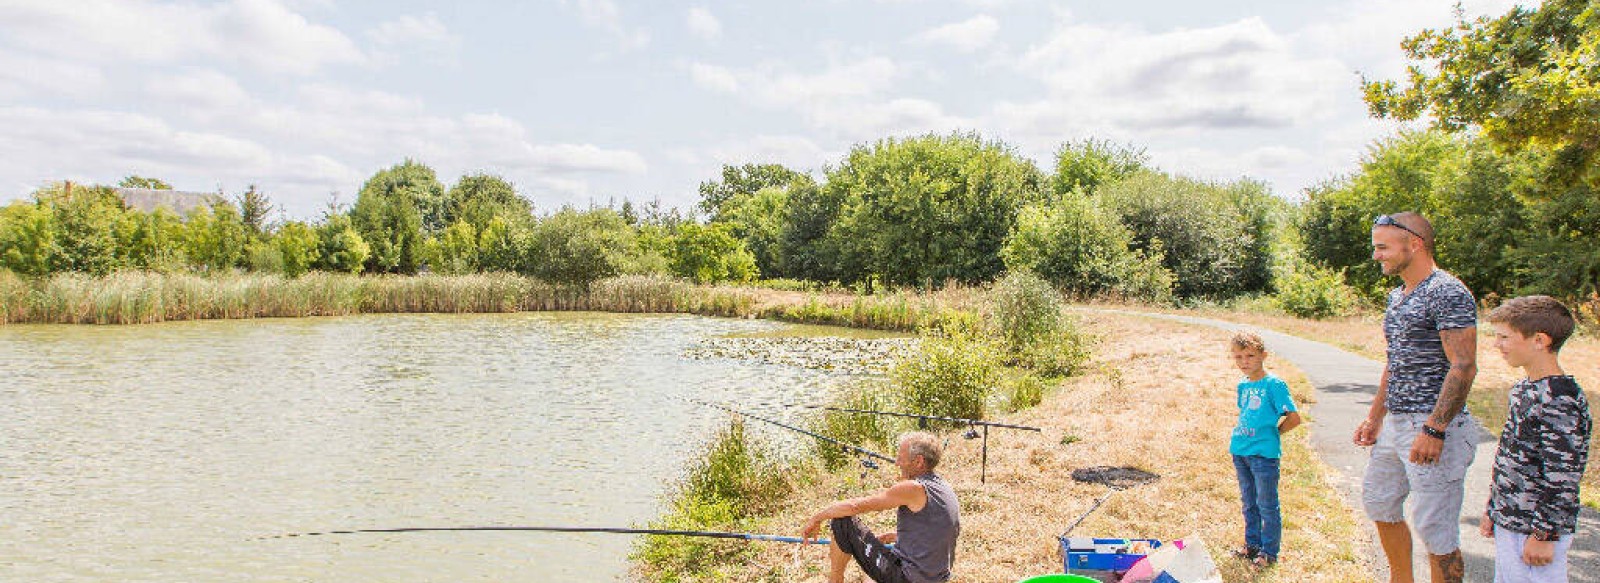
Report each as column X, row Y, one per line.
column 165, row 452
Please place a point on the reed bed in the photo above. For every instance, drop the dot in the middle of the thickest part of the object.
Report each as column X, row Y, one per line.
column 146, row 297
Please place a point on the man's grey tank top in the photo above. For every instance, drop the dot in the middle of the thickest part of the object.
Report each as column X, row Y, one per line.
column 927, row 538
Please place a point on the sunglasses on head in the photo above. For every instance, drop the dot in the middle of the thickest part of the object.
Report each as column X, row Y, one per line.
column 1388, row 221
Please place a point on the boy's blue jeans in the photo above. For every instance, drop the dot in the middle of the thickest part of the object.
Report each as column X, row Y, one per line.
column 1258, row 489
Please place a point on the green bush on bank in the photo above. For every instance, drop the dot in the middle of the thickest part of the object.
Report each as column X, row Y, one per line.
column 869, row 431
column 735, row 480
column 950, row 375
column 1315, row 292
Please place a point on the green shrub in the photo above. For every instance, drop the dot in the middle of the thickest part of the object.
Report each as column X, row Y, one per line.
column 1315, row 292
column 868, row 431
column 1024, row 309
column 1024, row 391
column 949, row 376
column 735, row 480
column 1062, row 353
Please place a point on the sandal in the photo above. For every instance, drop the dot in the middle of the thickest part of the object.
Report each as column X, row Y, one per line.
column 1247, row 553
column 1264, row 561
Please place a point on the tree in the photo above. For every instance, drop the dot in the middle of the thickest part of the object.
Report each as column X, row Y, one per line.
column 215, row 237
column 299, row 246
column 920, row 211
column 152, row 240
column 1527, row 78
column 1458, row 182
column 578, row 248
column 85, row 218
column 1207, row 241
column 1087, row 165
column 479, row 198
column 28, row 238
column 253, row 210
column 136, row 181
column 341, row 248
column 1528, row 82
column 745, row 180
column 1081, row 247
column 395, row 209
column 457, row 249
column 758, row 219
column 711, row 254
column 500, row 246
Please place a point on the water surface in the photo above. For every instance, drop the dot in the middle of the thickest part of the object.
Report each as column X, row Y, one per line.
column 162, row 452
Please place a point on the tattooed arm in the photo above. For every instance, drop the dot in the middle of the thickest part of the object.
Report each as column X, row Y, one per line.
column 1461, row 348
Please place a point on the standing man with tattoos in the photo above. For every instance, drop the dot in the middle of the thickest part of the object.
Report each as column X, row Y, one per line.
column 1418, row 427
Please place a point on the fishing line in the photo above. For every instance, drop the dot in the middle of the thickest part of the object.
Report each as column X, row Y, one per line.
column 847, row 446
column 581, row 529
column 922, row 422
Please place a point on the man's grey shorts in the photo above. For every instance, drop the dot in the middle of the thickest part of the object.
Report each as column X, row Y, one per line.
column 1438, row 487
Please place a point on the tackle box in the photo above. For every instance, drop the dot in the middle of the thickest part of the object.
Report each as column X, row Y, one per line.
column 1104, row 554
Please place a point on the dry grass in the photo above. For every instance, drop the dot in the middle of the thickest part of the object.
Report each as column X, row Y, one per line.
column 1159, row 400
column 1364, row 335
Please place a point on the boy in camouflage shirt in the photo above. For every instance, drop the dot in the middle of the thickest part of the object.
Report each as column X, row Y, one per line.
column 1533, row 507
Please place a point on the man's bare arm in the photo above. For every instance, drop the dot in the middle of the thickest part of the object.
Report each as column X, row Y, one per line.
column 1461, row 348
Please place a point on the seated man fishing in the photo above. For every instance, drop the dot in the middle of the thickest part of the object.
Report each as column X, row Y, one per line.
column 929, row 519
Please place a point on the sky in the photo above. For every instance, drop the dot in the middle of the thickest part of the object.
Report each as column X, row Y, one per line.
column 586, row 102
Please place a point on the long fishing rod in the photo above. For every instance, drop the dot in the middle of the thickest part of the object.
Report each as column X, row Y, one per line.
column 652, row 531
column 960, row 420
column 922, row 421
column 847, row 446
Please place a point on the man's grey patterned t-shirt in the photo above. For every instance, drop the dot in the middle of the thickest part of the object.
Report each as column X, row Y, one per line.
column 1411, row 324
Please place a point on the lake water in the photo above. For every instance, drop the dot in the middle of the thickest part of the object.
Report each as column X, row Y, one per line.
column 164, row 452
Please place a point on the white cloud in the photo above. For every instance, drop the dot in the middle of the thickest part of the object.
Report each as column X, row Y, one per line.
column 412, row 29
column 263, row 34
column 605, row 15
column 1241, row 75
column 967, row 36
column 704, row 24
column 24, row 76
column 714, row 77
column 425, row 36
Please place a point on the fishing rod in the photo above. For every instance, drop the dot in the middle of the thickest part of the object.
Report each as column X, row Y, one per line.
column 922, row 422
column 846, row 446
column 651, row 531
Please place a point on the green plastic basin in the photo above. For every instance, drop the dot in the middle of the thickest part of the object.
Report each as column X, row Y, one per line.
column 1059, row 578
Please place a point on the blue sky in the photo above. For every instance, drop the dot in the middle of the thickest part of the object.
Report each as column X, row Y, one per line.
column 586, row 101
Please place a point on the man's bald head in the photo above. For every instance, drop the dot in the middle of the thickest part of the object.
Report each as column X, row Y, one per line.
column 1418, row 226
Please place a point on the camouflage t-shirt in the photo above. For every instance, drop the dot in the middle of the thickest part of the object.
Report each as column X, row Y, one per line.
column 1543, row 450
column 1411, row 324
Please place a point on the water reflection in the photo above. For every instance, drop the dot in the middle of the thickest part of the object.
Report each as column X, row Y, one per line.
column 159, row 452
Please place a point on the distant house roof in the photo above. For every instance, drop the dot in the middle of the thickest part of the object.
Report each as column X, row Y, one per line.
column 148, row 199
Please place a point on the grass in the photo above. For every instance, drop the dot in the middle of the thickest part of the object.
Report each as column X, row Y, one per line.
column 1363, row 335
column 1155, row 399
column 145, row 297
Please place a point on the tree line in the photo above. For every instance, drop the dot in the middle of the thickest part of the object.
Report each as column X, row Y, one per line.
column 1508, row 173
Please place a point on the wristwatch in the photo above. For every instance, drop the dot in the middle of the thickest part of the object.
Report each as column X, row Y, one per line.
column 1543, row 536
column 1434, row 433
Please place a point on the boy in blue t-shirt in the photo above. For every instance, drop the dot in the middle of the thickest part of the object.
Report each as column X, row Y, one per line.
column 1263, row 401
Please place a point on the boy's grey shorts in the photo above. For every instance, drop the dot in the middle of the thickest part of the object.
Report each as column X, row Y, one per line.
column 1438, row 487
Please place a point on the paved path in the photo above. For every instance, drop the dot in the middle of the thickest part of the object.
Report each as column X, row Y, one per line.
column 1345, row 384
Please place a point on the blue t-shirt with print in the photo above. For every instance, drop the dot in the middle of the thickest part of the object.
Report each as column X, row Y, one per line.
column 1261, row 404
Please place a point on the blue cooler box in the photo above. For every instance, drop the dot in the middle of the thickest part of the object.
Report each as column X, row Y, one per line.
column 1104, row 554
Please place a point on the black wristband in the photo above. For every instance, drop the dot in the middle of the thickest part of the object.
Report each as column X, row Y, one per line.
column 1543, row 536
column 1434, row 433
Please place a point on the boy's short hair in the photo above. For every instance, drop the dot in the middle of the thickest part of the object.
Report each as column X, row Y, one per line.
column 924, row 444
column 1530, row 315
column 1249, row 340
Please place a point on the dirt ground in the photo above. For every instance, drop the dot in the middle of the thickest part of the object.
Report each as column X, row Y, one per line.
column 1160, row 396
